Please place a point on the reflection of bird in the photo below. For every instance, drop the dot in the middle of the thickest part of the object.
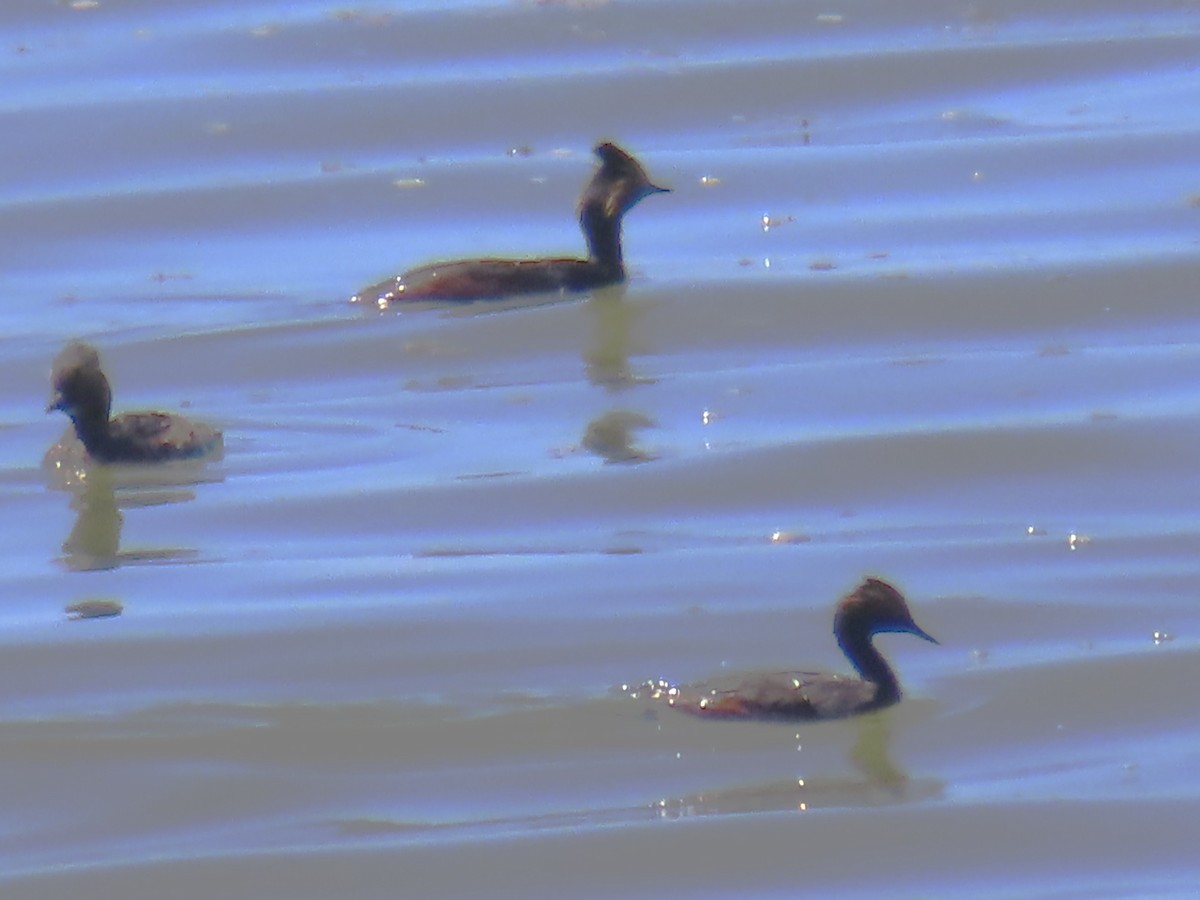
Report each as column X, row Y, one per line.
column 611, row 335
column 81, row 391
column 872, row 608
column 95, row 540
column 618, row 185
column 610, row 436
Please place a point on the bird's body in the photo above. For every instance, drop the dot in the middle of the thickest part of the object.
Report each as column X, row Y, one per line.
column 492, row 279
column 786, row 696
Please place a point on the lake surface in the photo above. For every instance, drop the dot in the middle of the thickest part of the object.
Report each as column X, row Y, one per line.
column 922, row 304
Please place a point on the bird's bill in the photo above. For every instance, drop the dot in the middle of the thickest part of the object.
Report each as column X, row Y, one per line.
column 921, row 633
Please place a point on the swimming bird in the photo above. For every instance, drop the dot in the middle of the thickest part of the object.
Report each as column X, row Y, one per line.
column 872, row 608
column 82, row 391
column 617, row 186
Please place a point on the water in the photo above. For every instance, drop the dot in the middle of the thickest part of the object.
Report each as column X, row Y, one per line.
column 920, row 305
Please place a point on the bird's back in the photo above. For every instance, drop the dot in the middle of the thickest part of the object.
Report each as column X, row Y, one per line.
column 484, row 279
column 154, row 436
column 794, row 696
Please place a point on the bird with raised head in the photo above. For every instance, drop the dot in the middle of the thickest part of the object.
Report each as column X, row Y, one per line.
column 81, row 390
column 874, row 607
column 618, row 185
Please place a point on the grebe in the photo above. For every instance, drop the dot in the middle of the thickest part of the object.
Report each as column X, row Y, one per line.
column 618, row 185
column 872, row 608
column 83, row 393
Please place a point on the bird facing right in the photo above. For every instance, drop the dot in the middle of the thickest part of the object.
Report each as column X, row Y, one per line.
column 874, row 607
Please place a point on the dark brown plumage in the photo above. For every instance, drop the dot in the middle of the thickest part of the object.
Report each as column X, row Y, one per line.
column 872, row 608
column 618, row 185
column 81, row 390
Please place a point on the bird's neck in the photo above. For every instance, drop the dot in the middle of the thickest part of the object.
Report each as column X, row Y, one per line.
column 92, row 428
column 871, row 666
column 603, row 235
